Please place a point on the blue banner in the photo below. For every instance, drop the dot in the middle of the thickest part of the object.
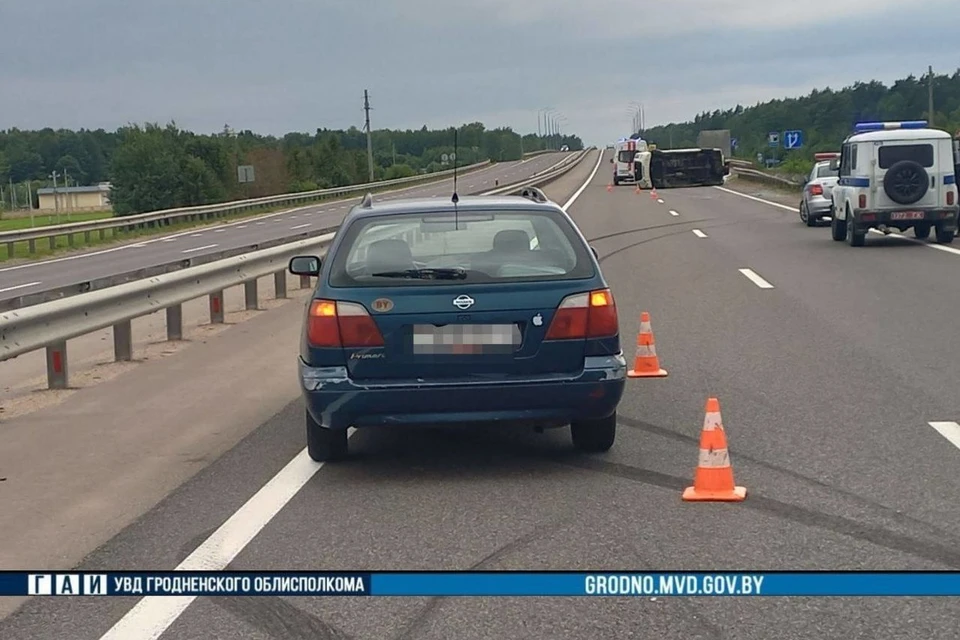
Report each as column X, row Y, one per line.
column 497, row 583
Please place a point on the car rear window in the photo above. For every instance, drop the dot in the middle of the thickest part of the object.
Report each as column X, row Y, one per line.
column 892, row 154
column 488, row 246
column 626, row 156
column 824, row 171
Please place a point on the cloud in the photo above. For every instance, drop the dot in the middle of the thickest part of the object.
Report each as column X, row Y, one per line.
column 303, row 64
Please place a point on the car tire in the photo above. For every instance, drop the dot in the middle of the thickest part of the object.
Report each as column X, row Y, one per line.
column 944, row 236
column 594, row 436
column 805, row 215
column 616, row 181
column 855, row 238
column 921, row 231
column 325, row 445
column 838, row 227
column 906, row 182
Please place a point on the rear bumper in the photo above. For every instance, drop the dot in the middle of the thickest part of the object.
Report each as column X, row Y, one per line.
column 818, row 206
column 947, row 216
column 337, row 402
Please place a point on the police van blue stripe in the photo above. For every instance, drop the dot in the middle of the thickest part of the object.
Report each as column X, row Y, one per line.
column 951, row 179
column 849, row 181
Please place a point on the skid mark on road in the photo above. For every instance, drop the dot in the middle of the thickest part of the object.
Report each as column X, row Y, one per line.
column 694, row 442
column 415, row 627
column 932, row 551
column 278, row 618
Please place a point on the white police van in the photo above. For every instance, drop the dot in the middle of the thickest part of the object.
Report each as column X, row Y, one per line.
column 894, row 176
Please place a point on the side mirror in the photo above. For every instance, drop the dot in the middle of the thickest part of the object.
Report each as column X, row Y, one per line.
column 595, row 254
column 305, row 266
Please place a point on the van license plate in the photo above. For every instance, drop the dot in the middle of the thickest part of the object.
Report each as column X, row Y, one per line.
column 906, row 215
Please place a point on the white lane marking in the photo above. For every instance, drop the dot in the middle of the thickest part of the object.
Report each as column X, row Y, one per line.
column 19, row 286
column 584, row 186
column 209, row 246
column 660, row 200
column 756, row 279
column 219, row 230
column 169, row 240
column 259, row 223
column 300, row 226
column 938, row 247
column 153, row 615
column 756, row 199
column 196, row 235
column 293, row 216
column 949, row 430
column 699, row 234
column 673, row 213
column 139, row 245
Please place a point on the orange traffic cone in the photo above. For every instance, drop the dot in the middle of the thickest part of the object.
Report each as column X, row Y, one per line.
column 713, row 479
column 653, row 193
column 638, row 190
column 609, row 188
column 645, row 362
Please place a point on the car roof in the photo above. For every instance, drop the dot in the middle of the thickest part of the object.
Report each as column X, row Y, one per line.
column 438, row 205
column 899, row 135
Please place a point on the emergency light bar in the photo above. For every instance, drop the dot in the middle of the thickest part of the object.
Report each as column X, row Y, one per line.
column 863, row 127
column 825, row 156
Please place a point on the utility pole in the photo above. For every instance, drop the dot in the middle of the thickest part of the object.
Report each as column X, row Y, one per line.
column 930, row 96
column 366, row 109
column 67, row 205
column 56, row 196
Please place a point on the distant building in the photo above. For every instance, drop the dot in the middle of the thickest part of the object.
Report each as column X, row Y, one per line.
column 95, row 198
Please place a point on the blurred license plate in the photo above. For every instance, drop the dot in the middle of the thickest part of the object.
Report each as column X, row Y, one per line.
column 906, row 215
column 465, row 339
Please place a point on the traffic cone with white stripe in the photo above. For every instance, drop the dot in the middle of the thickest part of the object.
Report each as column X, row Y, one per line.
column 638, row 190
column 713, row 479
column 609, row 187
column 646, row 364
column 653, row 193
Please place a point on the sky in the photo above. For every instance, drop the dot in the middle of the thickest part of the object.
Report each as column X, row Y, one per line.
column 274, row 66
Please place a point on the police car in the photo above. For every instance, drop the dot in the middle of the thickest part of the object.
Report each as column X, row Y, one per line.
column 895, row 176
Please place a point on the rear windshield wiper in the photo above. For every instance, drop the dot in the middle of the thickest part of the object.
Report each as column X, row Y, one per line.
column 425, row 274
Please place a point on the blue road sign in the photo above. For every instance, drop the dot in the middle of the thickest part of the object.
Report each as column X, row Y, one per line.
column 792, row 139
column 773, row 138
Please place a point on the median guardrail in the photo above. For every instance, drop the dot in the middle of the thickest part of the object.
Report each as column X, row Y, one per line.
column 748, row 171
column 196, row 259
column 49, row 325
column 167, row 217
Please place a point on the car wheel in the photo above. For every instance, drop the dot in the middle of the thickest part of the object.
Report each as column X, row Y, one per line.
column 616, row 181
column 944, row 236
column 325, row 445
column 594, row 436
column 855, row 237
column 805, row 215
column 838, row 228
column 921, row 231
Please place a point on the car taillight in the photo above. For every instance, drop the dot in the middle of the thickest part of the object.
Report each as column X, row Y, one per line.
column 816, row 190
column 950, row 198
column 585, row 315
column 341, row 324
column 863, row 201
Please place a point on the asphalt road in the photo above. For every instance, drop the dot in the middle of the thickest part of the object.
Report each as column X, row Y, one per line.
column 829, row 363
column 35, row 276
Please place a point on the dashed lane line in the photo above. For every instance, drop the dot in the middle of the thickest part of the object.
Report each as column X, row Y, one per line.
column 755, row 278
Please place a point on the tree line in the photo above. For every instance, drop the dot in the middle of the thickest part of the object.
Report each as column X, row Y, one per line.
column 826, row 117
column 152, row 166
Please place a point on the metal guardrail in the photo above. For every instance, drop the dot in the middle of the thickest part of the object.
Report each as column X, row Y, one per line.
column 50, row 325
column 38, row 297
column 167, row 217
column 748, row 171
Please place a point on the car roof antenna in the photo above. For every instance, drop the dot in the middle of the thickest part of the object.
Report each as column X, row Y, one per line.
column 455, row 198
